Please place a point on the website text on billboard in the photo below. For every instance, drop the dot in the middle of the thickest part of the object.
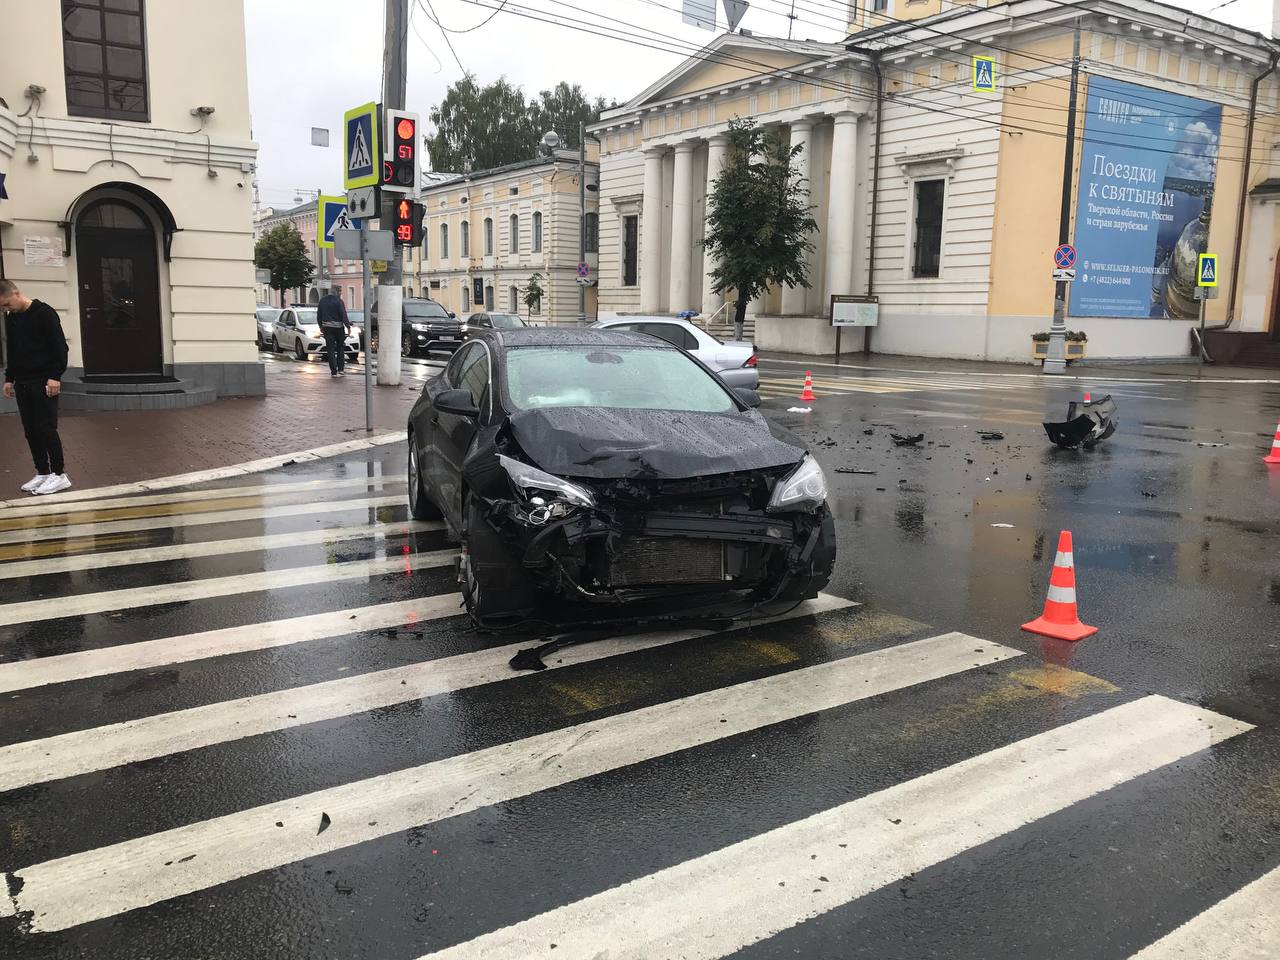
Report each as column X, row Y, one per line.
column 1147, row 173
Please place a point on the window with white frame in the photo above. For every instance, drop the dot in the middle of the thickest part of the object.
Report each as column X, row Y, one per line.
column 514, row 245
column 466, row 239
column 591, row 226
column 466, row 297
column 926, row 250
column 537, row 231
column 630, row 250
column 513, row 300
column 488, row 236
column 444, row 241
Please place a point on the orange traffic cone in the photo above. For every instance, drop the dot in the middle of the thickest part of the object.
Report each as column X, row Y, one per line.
column 807, row 393
column 1060, row 619
column 1274, row 455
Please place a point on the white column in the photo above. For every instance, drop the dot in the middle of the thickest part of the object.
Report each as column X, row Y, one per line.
column 793, row 298
column 651, row 233
column 840, row 207
column 682, row 229
column 717, row 150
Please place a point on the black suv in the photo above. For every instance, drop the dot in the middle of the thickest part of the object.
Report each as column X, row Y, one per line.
column 427, row 326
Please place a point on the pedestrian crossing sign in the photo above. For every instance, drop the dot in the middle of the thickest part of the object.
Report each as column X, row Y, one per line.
column 361, row 151
column 984, row 74
column 1208, row 275
column 332, row 215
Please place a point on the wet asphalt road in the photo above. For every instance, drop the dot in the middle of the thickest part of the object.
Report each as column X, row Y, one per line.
column 248, row 722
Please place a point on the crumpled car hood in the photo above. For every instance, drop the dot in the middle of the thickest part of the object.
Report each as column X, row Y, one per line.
column 612, row 444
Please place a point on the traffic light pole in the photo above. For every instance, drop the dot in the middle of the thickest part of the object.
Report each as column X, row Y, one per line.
column 582, row 219
column 367, row 299
column 1055, row 360
column 395, row 57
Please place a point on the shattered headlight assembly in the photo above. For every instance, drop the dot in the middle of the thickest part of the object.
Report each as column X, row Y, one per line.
column 804, row 489
column 544, row 496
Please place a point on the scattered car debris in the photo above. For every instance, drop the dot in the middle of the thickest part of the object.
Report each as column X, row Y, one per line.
column 990, row 435
column 868, row 432
column 799, row 409
column 825, row 443
column 901, row 441
column 324, row 823
column 1003, row 526
column 865, row 473
column 1204, row 443
column 1087, row 423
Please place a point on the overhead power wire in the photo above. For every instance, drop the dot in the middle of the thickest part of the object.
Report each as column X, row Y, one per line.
column 430, row 12
column 591, row 28
column 423, row 41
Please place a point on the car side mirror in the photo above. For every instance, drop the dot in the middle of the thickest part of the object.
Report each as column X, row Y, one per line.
column 457, row 402
column 747, row 396
column 452, row 315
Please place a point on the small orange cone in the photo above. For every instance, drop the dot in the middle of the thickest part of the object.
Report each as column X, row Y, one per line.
column 1060, row 619
column 1274, row 455
column 807, row 393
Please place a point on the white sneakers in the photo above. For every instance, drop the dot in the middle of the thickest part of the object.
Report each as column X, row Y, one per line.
column 37, row 480
column 54, row 483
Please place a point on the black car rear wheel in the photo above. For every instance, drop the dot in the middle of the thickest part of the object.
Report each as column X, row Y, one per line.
column 406, row 345
column 420, row 505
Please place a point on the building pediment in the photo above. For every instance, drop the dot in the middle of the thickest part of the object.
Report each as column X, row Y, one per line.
column 730, row 60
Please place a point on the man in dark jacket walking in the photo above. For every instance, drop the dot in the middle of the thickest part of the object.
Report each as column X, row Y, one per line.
column 336, row 327
column 37, row 359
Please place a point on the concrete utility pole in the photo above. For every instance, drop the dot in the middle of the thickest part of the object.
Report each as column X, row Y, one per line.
column 1056, row 354
column 582, row 218
column 395, row 59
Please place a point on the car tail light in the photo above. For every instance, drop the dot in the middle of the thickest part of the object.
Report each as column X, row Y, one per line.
column 751, row 361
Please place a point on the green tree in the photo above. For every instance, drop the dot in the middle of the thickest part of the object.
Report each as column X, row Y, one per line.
column 484, row 126
column 759, row 223
column 533, row 294
column 561, row 109
column 281, row 251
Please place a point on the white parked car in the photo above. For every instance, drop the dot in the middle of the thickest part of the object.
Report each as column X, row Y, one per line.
column 297, row 330
column 733, row 360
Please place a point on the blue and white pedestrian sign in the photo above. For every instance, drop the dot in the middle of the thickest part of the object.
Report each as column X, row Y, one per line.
column 361, row 153
column 1208, row 273
column 332, row 215
column 984, row 74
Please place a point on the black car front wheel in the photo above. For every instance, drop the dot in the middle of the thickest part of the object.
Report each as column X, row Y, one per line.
column 420, row 505
column 406, row 346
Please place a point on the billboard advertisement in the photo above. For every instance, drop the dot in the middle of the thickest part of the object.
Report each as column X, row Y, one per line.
column 1147, row 170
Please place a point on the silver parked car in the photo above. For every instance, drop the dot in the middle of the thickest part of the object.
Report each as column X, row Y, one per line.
column 297, row 329
column 733, row 360
column 266, row 317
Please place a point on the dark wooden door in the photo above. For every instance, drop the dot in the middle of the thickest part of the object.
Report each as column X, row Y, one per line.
column 119, row 302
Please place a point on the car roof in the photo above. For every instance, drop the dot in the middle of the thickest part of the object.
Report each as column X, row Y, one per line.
column 574, row 337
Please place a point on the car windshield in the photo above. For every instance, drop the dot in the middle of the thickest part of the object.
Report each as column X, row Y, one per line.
column 268, row 316
column 425, row 310
column 506, row 321
column 621, row 377
column 306, row 317
column 356, row 317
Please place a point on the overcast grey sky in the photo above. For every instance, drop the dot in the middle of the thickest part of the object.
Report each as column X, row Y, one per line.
column 309, row 60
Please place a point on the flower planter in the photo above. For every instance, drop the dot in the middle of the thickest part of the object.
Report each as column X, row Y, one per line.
column 1075, row 349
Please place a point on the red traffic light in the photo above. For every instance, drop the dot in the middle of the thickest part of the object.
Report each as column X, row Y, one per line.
column 406, row 209
column 404, row 129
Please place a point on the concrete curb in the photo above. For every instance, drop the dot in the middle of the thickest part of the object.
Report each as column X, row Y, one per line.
column 219, row 473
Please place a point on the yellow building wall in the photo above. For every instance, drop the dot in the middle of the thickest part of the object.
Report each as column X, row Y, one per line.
column 747, row 65
column 1029, row 190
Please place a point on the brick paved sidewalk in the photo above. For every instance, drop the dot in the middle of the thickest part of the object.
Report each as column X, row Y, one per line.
column 303, row 408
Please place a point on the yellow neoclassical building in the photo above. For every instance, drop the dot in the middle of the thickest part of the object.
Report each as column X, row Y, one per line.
column 943, row 200
column 128, row 166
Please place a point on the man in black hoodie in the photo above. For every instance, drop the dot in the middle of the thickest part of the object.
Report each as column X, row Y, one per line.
column 37, row 359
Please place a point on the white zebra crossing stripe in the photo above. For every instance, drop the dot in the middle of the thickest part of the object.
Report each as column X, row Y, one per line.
column 110, row 880
column 99, row 748
column 213, row 548
column 40, row 508
column 715, row 905
column 102, row 528
column 84, row 604
column 147, row 654
column 1244, row 926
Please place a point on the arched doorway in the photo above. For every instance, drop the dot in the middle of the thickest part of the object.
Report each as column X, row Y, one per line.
column 119, row 277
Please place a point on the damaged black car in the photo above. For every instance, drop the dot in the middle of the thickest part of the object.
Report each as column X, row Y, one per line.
column 593, row 475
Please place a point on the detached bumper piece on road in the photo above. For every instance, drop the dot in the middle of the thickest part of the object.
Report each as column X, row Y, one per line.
column 1087, row 423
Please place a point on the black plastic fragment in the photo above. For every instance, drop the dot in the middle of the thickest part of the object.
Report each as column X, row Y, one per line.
column 1086, row 424
column 901, row 441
